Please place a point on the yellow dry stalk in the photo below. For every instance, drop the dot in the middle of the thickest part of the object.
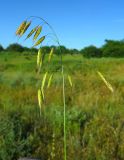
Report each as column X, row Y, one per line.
column 31, row 32
column 70, row 80
column 39, row 41
column 109, row 86
column 25, row 28
column 20, row 28
column 50, row 80
column 39, row 55
column 38, row 31
column 50, row 54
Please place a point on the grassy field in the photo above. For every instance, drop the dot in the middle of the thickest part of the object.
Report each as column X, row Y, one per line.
column 95, row 116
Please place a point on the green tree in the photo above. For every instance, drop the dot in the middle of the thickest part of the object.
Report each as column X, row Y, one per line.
column 15, row 47
column 26, row 49
column 46, row 49
column 91, row 51
column 1, row 48
column 73, row 51
column 113, row 48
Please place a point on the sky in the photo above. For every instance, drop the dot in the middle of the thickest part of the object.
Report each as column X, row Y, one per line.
column 78, row 23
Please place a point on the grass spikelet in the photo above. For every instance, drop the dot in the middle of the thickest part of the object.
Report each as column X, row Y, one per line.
column 40, row 64
column 53, row 147
column 39, row 55
column 38, row 31
column 50, row 80
column 50, row 54
column 70, row 80
column 31, row 32
column 25, row 28
column 40, row 99
column 20, row 28
column 39, row 41
column 109, row 86
column 42, row 91
column 43, row 84
column 44, row 81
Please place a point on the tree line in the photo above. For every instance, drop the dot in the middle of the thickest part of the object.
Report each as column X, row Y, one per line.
column 111, row 48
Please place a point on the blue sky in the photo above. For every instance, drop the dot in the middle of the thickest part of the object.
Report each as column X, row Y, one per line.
column 78, row 23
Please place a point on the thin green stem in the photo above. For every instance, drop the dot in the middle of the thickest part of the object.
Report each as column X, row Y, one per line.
column 63, row 81
column 64, row 115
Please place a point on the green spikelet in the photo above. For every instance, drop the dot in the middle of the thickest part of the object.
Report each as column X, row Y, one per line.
column 43, row 84
column 40, row 99
column 50, row 54
column 53, row 147
column 25, row 28
column 42, row 91
column 40, row 64
column 70, row 80
column 39, row 41
column 39, row 56
column 31, row 32
column 38, row 31
column 109, row 86
column 20, row 28
column 44, row 80
column 49, row 81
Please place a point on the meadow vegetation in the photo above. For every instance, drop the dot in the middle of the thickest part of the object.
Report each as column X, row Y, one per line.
column 95, row 121
column 111, row 48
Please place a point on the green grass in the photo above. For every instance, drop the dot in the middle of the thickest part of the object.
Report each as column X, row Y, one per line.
column 95, row 123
